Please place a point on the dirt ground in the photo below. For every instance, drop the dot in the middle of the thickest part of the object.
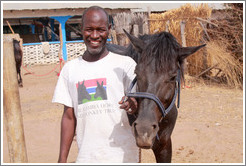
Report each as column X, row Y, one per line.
column 209, row 127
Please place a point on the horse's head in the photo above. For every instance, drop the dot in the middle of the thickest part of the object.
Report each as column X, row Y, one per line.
column 100, row 91
column 160, row 59
column 82, row 92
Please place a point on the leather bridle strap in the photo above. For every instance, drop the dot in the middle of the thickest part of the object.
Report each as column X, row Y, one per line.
column 155, row 98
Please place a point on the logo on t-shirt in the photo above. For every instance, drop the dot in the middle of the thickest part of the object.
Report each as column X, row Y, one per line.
column 91, row 90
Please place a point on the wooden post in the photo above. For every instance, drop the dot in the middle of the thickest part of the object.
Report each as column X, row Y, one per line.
column 60, row 50
column 149, row 12
column 205, row 53
column 182, row 29
column 61, row 42
column 12, row 108
column 135, row 30
column 182, row 26
column 167, row 25
column 10, row 27
column 114, row 35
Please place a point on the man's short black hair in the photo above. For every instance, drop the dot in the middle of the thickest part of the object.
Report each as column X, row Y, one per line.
column 94, row 8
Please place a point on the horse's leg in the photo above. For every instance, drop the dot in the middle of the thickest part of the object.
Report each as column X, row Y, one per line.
column 19, row 79
column 163, row 152
column 17, row 70
column 21, row 85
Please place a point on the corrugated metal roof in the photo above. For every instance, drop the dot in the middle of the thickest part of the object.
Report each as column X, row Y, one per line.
column 63, row 5
column 164, row 6
column 136, row 6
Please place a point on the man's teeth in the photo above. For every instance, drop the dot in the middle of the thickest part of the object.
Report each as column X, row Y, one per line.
column 93, row 42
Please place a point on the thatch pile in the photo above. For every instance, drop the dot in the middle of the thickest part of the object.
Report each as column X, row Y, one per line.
column 193, row 30
column 228, row 29
column 224, row 67
column 218, row 60
column 226, row 34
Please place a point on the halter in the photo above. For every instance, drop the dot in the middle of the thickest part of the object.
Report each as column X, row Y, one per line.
column 155, row 98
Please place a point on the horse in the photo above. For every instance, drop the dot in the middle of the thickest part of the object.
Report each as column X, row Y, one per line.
column 100, row 91
column 82, row 93
column 18, row 60
column 160, row 67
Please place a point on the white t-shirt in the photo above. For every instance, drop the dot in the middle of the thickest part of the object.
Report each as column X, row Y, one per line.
column 94, row 89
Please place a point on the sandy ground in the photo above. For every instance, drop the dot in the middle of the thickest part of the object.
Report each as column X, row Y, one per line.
column 209, row 127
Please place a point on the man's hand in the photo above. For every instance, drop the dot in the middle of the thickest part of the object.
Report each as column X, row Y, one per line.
column 129, row 104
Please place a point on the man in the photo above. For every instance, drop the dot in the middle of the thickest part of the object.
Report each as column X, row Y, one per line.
column 90, row 88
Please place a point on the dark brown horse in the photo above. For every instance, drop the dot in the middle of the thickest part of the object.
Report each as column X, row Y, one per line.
column 18, row 60
column 160, row 60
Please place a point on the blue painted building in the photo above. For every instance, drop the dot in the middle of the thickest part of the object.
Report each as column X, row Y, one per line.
column 38, row 22
column 49, row 22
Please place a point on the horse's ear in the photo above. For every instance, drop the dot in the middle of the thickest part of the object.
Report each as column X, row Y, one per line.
column 184, row 52
column 116, row 49
column 102, row 83
column 98, row 83
column 136, row 42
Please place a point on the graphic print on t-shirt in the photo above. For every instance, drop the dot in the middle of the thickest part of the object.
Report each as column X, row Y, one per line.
column 91, row 90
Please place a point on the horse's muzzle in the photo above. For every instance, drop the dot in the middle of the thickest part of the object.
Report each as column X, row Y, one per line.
column 145, row 134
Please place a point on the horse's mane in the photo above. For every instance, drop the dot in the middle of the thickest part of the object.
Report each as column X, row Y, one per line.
column 161, row 47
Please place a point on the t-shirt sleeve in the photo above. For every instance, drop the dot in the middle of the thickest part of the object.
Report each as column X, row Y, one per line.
column 61, row 93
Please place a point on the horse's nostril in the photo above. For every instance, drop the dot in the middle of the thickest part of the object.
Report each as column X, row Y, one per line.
column 154, row 126
column 134, row 129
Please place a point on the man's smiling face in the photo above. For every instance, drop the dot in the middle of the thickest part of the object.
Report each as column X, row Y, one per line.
column 95, row 30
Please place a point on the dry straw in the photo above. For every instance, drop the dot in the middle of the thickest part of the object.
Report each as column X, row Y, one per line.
column 193, row 30
column 216, row 51
column 232, row 72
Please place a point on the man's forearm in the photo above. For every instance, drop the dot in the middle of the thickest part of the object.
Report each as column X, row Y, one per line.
column 67, row 134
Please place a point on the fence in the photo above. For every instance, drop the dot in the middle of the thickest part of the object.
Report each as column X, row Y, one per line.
column 48, row 52
column 43, row 53
column 134, row 23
